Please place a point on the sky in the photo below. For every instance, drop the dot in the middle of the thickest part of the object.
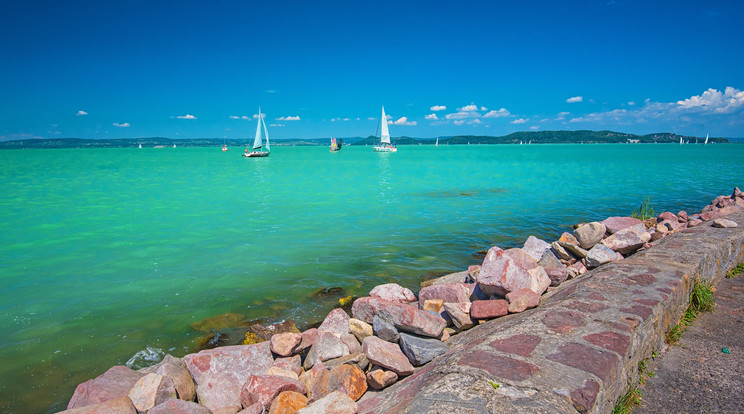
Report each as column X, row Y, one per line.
column 201, row 69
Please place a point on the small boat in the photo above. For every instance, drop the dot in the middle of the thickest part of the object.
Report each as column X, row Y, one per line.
column 336, row 145
column 174, row 145
column 257, row 144
column 706, row 139
column 224, row 148
column 140, row 145
column 436, row 144
column 385, row 145
column 681, row 141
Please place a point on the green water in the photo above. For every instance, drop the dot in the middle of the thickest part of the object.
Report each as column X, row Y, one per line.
column 108, row 251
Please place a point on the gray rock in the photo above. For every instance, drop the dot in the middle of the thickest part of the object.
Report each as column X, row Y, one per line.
column 387, row 355
column 535, row 247
column 460, row 315
column 548, row 259
column 327, row 345
column 557, row 275
column 599, row 255
column 560, row 251
column 384, row 330
column 725, row 224
column 574, row 249
column 589, row 234
column 421, row 350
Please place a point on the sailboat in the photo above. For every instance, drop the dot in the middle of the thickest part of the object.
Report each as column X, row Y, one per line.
column 257, row 144
column 224, row 144
column 336, row 145
column 140, row 145
column 385, row 145
column 437, row 143
column 706, row 139
column 681, row 141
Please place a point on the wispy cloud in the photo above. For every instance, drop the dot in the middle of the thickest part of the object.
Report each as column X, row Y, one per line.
column 534, row 128
column 575, row 99
column 255, row 116
column 124, row 125
column 562, row 115
column 187, row 116
column 404, row 121
column 438, row 108
column 270, row 91
column 497, row 114
column 288, row 118
column 468, row 108
column 81, row 113
column 431, row 117
column 276, row 125
column 520, row 121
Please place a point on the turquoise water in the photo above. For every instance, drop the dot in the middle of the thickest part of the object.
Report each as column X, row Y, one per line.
column 108, row 251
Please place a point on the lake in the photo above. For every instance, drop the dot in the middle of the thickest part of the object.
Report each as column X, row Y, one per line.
column 108, row 251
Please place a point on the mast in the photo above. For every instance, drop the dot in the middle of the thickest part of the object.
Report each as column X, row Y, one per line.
column 385, row 134
column 257, row 140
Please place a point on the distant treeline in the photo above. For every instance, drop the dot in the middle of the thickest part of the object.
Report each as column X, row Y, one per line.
column 536, row 137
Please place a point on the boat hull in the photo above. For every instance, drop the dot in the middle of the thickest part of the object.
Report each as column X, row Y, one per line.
column 385, row 149
column 255, row 154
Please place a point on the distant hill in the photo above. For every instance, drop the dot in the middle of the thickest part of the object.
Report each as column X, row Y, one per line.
column 536, row 137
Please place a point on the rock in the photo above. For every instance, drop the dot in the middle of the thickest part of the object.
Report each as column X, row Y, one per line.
column 488, row 309
column 624, row 241
column 229, row 367
column 421, row 350
column 215, row 323
column 682, row 216
column 576, row 269
column 179, row 407
column 535, row 247
column 589, row 234
column 447, row 292
column 265, row 332
column 404, row 317
column 574, row 249
column 694, row 222
column 379, row 378
column 460, row 315
column 175, row 369
column 724, row 223
column 386, row 355
column 287, row 402
column 384, row 330
column 599, row 255
column 350, row 380
column 522, row 299
column 114, row 383
column 309, row 377
column 351, row 342
column 658, row 235
column 666, row 216
column 263, row 388
column 118, row 405
column 646, row 237
column 333, row 403
column 433, row 305
column 560, row 251
column 358, row 359
column 557, row 275
column 360, row 329
column 671, row 225
column 308, row 339
column 615, row 224
column 473, row 271
column 327, row 345
column 256, row 408
column 151, row 390
column 394, row 293
column 285, row 344
column 459, row 277
column 337, row 321
column 549, row 259
column 737, row 193
column 283, row 372
column 661, row 228
column 291, row 364
column 500, row 274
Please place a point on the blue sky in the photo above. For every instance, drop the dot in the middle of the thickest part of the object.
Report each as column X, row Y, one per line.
column 100, row 69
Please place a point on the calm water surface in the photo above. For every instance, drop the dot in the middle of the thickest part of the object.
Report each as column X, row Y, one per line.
column 108, row 251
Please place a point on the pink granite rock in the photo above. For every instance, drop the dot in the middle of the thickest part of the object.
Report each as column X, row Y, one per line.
column 151, row 390
column 263, row 388
column 599, row 255
column 337, row 321
column 488, row 309
column 535, row 247
column 179, row 407
column 114, row 383
column 404, row 317
column 379, row 378
column 500, row 274
column 334, row 403
column 522, row 299
column 615, row 224
column 460, row 315
column 682, row 216
column 328, row 345
column 308, row 338
column 351, row 342
column 360, row 329
column 473, row 271
column 309, row 377
column 285, row 344
column 624, row 241
column 557, row 275
column 577, row 269
column 118, row 405
column 447, row 292
column 220, row 373
column 387, row 355
column 393, row 292
column 666, row 216
column 693, row 223
column 175, row 369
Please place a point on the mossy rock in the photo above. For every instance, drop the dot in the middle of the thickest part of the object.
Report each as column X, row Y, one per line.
column 226, row 337
column 331, row 292
column 265, row 332
column 250, row 339
column 215, row 323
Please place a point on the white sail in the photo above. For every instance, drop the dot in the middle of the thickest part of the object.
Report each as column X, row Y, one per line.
column 257, row 141
column 385, row 135
column 706, row 138
column 266, row 132
column 437, row 144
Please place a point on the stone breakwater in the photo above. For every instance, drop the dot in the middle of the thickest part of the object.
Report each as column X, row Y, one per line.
column 606, row 293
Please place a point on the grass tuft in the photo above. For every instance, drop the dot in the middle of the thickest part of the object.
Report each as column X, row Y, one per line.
column 644, row 211
column 739, row 269
column 701, row 300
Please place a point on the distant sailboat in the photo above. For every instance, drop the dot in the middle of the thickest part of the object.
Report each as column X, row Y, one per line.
column 174, row 145
column 336, row 145
column 437, row 143
column 140, row 145
column 706, row 139
column 681, row 141
column 257, row 142
column 385, row 145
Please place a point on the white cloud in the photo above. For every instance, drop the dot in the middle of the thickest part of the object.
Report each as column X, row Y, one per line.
column 187, row 116
column 234, row 117
column 460, row 122
column 534, row 128
column 370, row 118
column 255, row 116
column 248, row 117
column 468, row 108
column 81, row 113
column 715, row 101
column 271, row 91
column 404, row 121
column 124, row 125
column 562, row 116
column 431, row 117
column 575, row 99
column 519, row 121
column 463, row 115
column 276, row 125
column 631, row 103
column 438, row 108
column 483, row 108
column 288, row 118
column 497, row 114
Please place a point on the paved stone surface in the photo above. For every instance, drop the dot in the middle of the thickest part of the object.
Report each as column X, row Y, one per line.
column 578, row 350
column 695, row 376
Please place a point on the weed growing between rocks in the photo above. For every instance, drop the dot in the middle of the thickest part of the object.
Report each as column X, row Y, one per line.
column 644, row 211
column 701, row 300
column 632, row 398
column 739, row 269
